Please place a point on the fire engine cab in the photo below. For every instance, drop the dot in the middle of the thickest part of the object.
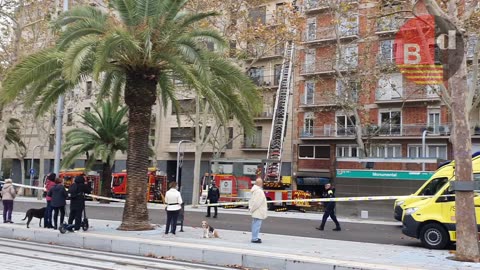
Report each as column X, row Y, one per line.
column 156, row 185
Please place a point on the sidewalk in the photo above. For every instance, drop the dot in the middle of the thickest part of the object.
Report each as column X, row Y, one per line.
column 277, row 252
column 237, row 211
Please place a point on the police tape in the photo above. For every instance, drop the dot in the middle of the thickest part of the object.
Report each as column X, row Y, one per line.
column 300, row 202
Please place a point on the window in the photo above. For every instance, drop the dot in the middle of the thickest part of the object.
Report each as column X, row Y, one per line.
column 390, row 86
column 348, row 92
column 256, row 74
column 311, row 29
column 117, row 181
column 345, row 125
column 178, row 134
column 254, row 140
column 390, row 123
column 347, row 151
column 348, row 25
column 349, row 57
column 230, row 138
column 414, row 151
column 233, row 48
column 186, row 106
column 51, row 142
column 386, row 52
column 308, row 124
column 88, row 89
column 258, row 15
column 386, row 151
column 432, row 151
column 86, row 109
column 277, row 72
column 433, row 187
column 434, row 121
column 314, row 151
column 309, row 92
column 69, row 117
column 310, row 60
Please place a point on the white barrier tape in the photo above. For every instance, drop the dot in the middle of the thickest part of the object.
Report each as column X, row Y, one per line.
column 24, row 186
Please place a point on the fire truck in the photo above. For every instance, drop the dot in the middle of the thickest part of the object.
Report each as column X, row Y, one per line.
column 231, row 187
column 91, row 178
column 156, row 185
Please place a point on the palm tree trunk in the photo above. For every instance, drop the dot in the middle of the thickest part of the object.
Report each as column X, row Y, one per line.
column 106, row 181
column 140, row 95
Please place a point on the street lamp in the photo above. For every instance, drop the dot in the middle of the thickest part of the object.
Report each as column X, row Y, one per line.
column 179, row 163
column 424, row 148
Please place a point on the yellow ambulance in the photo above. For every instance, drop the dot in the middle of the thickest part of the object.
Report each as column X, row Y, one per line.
column 433, row 220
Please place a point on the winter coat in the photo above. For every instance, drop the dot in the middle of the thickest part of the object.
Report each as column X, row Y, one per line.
column 59, row 195
column 329, row 193
column 257, row 205
column 77, row 193
column 213, row 194
column 173, row 199
column 49, row 185
column 8, row 192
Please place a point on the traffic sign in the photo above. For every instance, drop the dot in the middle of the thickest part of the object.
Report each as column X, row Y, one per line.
column 32, row 171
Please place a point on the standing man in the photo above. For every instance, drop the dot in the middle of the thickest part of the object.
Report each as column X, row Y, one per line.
column 329, row 208
column 212, row 197
column 173, row 200
column 258, row 209
column 77, row 193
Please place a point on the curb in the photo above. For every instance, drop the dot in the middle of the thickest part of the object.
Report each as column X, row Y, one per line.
column 215, row 255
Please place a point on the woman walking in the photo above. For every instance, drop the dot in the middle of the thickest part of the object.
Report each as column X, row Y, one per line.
column 8, row 195
column 59, row 200
column 173, row 199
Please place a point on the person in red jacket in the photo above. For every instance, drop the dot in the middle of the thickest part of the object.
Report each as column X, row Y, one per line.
column 49, row 183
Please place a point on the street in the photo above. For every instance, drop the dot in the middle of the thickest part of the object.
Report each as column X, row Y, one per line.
column 351, row 231
column 25, row 255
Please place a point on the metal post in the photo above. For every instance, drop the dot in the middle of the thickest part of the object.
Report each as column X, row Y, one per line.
column 424, row 148
column 31, row 164
column 59, row 119
column 177, row 179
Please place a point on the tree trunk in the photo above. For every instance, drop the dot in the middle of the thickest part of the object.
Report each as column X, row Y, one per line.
column 106, row 181
column 22, row 174
column 466, row 227
column 140, row 95
column 196, row 175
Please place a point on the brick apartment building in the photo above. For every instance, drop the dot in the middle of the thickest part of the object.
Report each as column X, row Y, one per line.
column 394, row 112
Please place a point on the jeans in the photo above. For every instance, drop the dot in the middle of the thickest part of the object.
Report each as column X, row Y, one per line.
column 60, row 209
column 172, row 217
column 256, row 225
column 47, row 219
column 77, row 215
column 7, row 210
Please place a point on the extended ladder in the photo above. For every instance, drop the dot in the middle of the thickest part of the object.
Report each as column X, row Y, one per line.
column 279, row 122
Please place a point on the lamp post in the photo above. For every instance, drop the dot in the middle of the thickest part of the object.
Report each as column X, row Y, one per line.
column 424, row 148
column 179, row 163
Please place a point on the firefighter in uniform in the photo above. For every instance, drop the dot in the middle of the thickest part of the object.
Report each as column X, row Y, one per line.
column 212, row 197
column 329, row 208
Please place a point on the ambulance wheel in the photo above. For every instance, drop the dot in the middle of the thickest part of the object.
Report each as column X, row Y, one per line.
column 434, row 236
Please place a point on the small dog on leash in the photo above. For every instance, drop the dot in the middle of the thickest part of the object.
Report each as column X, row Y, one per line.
column 31, row 213
column 209, row 231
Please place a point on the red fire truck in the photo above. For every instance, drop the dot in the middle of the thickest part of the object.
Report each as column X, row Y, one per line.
column 92, row 178
column 156, row 185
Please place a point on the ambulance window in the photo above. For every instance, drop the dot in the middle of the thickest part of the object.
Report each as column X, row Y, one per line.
column 433, row 187
column 117, row 181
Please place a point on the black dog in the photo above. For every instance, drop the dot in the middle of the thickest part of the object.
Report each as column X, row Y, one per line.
column 38, row 213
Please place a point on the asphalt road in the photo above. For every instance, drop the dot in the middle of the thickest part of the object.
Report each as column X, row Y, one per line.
column 359, row 232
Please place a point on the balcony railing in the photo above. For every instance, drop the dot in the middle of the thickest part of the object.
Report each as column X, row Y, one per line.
column 272, row 18
column 407, row 130
column 328, row 99
column 253, row 146
column 327, row 66
column 316, row 5
column 266, row 81
column 264, row 115
column 405, row 95
column 328, row 33
column 389, row 24
column 260, row 51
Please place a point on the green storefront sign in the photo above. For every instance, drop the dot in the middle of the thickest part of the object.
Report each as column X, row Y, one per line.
column 386, row 175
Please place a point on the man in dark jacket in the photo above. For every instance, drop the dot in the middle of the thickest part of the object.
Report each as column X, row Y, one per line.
column 59, row 200
column 212, row 197
column 77, row 193
column 329, row 208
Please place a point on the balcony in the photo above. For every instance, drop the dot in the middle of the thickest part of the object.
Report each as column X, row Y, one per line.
column 253, row 147
column 263, row 116
column 388, row 25
column 266, row 19
column 266, row 81
column 313, row 6
column 386, row 62
column 327, row 34
column 376, row 131
column 263, row 52
column 327, row 66
column 324, row 100
column 402, row 95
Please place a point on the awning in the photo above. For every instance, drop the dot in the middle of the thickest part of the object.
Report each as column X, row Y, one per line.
column 312, row 181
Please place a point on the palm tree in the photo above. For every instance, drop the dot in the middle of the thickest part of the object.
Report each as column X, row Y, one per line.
column 142, row 45
column 107, row 134
column 13, row 135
